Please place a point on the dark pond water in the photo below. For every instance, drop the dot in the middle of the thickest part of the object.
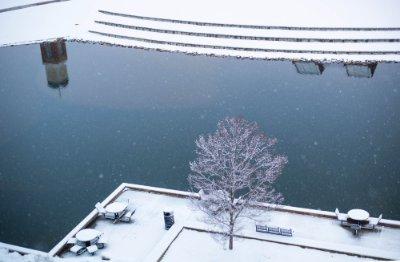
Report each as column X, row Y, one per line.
column 129, row 115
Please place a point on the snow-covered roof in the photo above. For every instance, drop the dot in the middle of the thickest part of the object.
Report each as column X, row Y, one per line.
column 147, row 240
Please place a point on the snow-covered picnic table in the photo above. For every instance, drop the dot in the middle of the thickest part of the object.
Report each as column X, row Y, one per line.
column 358, row 214
column 88, row 239
column 88, row 235
column 116, row 207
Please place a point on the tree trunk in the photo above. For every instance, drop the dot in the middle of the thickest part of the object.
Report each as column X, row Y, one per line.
column 231, row 231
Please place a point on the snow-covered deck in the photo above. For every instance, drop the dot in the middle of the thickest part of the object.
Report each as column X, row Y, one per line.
column 147, row 240
column 356, row 31
column 192, row 245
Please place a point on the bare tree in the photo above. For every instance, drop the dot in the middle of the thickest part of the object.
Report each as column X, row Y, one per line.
column 235, row 167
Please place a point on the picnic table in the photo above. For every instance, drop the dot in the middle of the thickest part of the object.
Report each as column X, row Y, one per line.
column 88, row 236
column 358, row 215
column 87, row 239
column 116, row 211
column 358, row 219
column 116, row 207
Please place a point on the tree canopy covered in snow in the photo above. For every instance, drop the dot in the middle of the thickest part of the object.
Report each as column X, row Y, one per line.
column 235, row 168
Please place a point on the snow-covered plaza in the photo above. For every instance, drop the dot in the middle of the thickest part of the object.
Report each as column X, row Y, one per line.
column 307, row 29
column 317, row 234
column 192, row 245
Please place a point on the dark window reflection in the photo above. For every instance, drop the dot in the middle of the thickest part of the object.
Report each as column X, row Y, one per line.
column 364, row 70
column 309, row 67
column 361, row 70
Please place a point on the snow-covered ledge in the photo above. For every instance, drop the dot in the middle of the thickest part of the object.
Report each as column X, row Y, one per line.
column 305, row 211
column 283, row 208
column 21, row 250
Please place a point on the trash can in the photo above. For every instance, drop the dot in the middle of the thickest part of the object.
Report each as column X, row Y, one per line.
column 168, row 219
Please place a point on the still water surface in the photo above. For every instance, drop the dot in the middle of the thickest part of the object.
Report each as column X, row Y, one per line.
column 130, row 115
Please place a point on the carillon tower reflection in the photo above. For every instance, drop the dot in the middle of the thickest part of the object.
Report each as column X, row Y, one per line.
column 54, row 57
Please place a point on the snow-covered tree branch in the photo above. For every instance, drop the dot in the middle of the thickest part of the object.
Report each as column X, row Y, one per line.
column 235, row 168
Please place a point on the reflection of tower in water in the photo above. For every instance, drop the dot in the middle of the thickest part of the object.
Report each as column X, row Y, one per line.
column 54, row 57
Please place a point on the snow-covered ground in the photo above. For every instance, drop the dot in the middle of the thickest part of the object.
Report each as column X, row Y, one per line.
column 146, row 238
column 9, row 4
column 142, row 27
column 198, row 246
column 312, row 13
column 10, row 256
column 44, row 22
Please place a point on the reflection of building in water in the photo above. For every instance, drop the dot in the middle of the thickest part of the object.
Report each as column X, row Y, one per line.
column 54, row 57
column 361, row 70
column 309, row 67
